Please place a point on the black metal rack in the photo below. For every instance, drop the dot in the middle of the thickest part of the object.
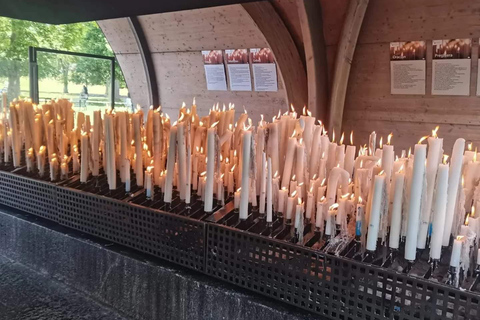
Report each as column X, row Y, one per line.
column 245, row 253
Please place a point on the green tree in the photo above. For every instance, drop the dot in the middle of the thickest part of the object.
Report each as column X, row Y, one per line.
column 92, row 71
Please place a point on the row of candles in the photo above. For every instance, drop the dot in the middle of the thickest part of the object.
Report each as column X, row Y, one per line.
column 289, row 167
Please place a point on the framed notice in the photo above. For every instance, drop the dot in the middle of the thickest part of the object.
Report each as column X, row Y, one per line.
column 407, row 67
column 264, row 69
column 451, row 67
column 214, row 70
column 238, row 68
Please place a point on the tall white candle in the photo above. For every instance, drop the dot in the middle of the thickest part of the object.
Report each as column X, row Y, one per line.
column 376, row 211
column 396, row 222
column 84, row 158
column 282, row 198
column 287, row 169
column 349, row 159
column 433, row 160
column 263, row 183
column 415, row 203
column 316, row 150
column 170, row 165
column 182, row 159
column 439, row 211
column 300, row 162
column 96, row 142
column 247, row 140
column 454, row 175
column 136, row 119
column 269, row 191
column 208, row 191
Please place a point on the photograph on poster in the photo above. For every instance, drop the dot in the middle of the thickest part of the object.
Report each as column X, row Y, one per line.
column 451, row 67
column 239, row 77
column 214, row 70
column 408, row 67
column 264, row 69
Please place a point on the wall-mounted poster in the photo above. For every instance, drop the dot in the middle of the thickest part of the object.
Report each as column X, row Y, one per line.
column 451, row 67
column 407, row 67
column 238, row 67
column 214, row 70
column 264, row 69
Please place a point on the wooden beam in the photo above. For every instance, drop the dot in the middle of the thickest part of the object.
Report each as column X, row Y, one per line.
column 311, row 21
column 286, row 54
column 343, row 62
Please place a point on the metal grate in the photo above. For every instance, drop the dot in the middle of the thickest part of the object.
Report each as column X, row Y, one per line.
column 334, row 287
column 165, row 235
column 30, row 195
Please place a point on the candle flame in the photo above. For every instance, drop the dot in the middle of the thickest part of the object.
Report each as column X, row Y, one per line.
column 360, row 200
column 345, row 196
column 279, row 115
column 361, row 163
column 351, row 137
column 239, row 189
column 233, row 167
column 460, row 238
column 323, row 182
column 342, row 137
column 473, row 211
column 294, row 193
column 304, row 111
column 294, row 178
column 389, row 138
column 401, row 167
column 322, row 199
column 214, row 124
column 422, row 139
column 434, row 131
column 182, row 116
column 230, row 127
column 311, row 189
column 301, row 141
column 333, row 206
column 294, row 134
column 203, row 174
column 381, row 142
column 200, row 123
column 470, row 145
column 314, row 177
column 381, row 172
column 409, row 152
column 299, row 200
column 292, row 108
column 201, row 149
column 284, row 189
column 235, row 153
column 333, row 136
column 276, row 174
column 324, row 132
column 475, row 155
column 463, row 180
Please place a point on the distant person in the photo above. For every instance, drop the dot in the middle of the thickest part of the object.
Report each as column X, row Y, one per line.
column 85, row 90
column 84, row 96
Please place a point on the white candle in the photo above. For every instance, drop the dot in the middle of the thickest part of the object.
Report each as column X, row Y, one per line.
column 167, row 197
column 273, row 145
column 300, row 161
column 396, row 222
column 456, row 252
column 148, row 182
column 269, row 191
column 319, row 219
column 340, row 156
column 182, row 159
column 349, row 159
column 96, row 141
column 433, row 159
column 415, row 203
column 84, row 158
column 259, row 153
column 375, row 212
column 139, row 148
column 282, row 196
column 287, row 169
column 338, row 177
column 236, row 200
column 247, row 140
column 290, row 204
column 329, row 226
column 310, row 203
column 110, row 152
column 263, row 183
column 157, row 146
column 208, row 191
column 359, row 217
column 341, row 217
column 454, row 175
column 439, row 211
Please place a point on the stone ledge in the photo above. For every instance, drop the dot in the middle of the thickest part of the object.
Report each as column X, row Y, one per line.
column 139, row 286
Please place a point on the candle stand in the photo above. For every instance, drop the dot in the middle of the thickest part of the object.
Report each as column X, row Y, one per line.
column 316, row 274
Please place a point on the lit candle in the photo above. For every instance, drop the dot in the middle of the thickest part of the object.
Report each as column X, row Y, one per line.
column 53, row 167
column 282, row 196
column 456, row 251
column 310, row 203
column 299, row 162
column 182, row 157
column 319, row 219
column 126, row 175
column 376, row 211
column 416, row 190
column 315, row 151
column 341, row 218
column 41, row 160
column 263, row 184
column 454, row 175
column 434, row 157
column 330, row 225
column 96, row 141
column 359, row 217
column 110, row 152
column 290, row 204
column 237, row 198
column 148, row 182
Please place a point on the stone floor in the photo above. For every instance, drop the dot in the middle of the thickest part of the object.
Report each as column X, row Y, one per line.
column 27, row 295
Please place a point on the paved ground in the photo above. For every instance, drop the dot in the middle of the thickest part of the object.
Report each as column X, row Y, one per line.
column 27, row 295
